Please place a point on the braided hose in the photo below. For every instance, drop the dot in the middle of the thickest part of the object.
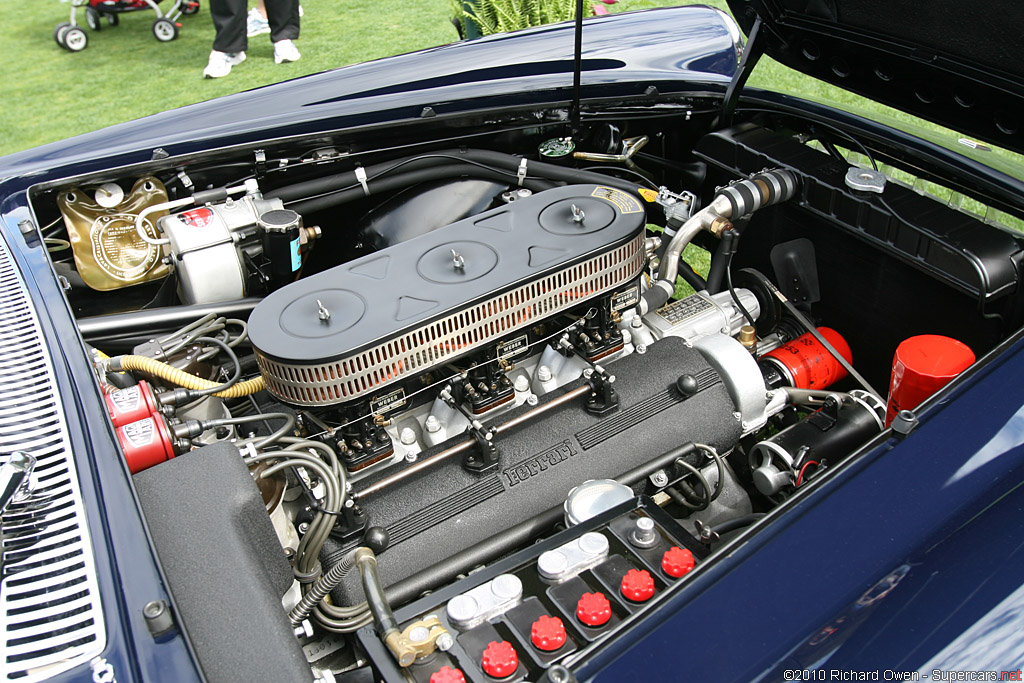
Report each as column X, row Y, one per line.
column 322, row 587
column 182, row 378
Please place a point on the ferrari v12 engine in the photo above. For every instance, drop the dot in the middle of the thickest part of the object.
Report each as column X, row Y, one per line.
column 355, row 330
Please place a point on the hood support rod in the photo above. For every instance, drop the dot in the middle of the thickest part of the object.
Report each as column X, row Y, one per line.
column 752, row 52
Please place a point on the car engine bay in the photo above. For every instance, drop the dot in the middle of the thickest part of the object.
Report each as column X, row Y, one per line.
column 468, row 405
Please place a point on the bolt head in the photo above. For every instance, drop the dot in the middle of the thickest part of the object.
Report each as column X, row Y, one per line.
column 419, row 634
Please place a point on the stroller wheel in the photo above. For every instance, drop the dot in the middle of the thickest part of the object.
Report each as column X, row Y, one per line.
column 189, row 7
column 93, row 19
column 165, row 30
column 113, row 19
column 58, row 33
column 75, row 39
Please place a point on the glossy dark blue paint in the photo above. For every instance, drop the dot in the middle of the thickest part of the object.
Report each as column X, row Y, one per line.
column 127, row 574
column 675, row 48
column 860, row 574
column 901, row 528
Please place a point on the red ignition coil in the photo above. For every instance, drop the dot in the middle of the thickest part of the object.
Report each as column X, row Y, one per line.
column 637, row 585
column 548, row 633
column 131, row 404
column 447, row 675
column 677, row 561
column 593, row 609
column 500, row 659
column 146, row 442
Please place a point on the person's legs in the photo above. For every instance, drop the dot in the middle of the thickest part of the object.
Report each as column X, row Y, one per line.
column 283, row 16
column 229, row 22
column 256, row 23
column 230, row 42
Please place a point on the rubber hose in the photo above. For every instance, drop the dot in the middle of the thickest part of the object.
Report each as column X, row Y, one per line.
column 692, row 277
column 433, row 163
column 716, row 275
column 737, row 523
column 399, row 181
column 375, row 598
column 324, row 585
column 337, row 181
column 182, row 378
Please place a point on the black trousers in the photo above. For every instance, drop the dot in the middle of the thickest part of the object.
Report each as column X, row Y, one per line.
column 229, row 22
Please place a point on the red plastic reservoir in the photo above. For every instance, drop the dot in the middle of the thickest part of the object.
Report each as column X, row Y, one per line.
column 131, row 404
column 921, row 366
column 808, row 364
column 146, row 443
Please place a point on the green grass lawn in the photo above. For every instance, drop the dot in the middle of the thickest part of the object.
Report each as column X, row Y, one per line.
column 125, row 73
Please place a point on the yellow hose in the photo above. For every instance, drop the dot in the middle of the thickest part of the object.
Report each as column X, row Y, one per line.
column 183, row 379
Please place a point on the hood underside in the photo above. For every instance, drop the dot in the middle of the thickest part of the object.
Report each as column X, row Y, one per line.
column 949, row 62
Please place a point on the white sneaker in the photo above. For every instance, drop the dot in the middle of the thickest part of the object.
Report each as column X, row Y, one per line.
column 285, row 51
column 255, row 24
column 221, row 62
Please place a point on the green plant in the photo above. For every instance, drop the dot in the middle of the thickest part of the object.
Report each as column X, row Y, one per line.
column 499, row 16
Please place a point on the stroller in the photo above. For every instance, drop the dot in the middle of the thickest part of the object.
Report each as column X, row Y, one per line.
column 70, row 35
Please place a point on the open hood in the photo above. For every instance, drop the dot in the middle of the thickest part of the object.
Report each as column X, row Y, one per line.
column 950, row 62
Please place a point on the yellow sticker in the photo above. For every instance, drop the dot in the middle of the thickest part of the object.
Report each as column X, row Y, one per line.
column 647, row 193
column 626, row 203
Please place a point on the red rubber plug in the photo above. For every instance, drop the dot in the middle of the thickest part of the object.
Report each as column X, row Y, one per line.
column 500, row 659
column 447, row 675
column 593, row 609
column 548, row 633
column 677, row 562
column 637, row 585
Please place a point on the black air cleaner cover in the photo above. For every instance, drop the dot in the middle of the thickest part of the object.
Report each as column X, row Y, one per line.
column 348, row 331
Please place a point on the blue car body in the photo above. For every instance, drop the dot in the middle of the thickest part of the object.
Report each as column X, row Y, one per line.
column 904, row 560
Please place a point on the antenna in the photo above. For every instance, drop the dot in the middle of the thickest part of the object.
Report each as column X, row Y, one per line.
column 574, row 109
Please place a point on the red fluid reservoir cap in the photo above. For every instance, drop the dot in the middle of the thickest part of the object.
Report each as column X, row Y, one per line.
column 548, row 633
column 809, row 364
column 447, row 675
column 637, row 585
column 500, row 659
column 677, row 561
column 593, row 609
column 923, row 365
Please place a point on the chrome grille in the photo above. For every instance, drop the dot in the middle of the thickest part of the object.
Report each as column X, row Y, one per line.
column 49, row 601
column 425, row 347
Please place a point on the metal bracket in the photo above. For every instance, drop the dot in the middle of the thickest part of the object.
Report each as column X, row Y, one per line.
column 261, row 163
column 904, row 423
column 602, row 399
column 484, row 457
